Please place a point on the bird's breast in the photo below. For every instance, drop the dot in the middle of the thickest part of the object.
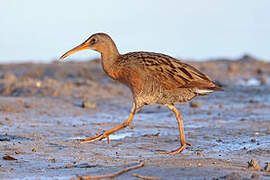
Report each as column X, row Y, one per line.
column 129, row 77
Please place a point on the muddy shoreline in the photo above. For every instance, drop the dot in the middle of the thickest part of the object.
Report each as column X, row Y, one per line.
column 41, row 114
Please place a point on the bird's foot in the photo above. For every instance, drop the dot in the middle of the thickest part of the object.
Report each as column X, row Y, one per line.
column 94, row 138
column 179, row 150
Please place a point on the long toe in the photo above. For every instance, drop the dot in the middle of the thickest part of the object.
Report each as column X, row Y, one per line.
column 91, row 139
column 179, row 150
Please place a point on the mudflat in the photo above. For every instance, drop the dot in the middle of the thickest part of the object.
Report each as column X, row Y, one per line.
column 45, row 107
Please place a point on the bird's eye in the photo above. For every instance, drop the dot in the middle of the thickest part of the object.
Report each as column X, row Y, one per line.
column 93, row 41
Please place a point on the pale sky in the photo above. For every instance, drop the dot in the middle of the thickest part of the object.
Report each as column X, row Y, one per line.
column 42, row 31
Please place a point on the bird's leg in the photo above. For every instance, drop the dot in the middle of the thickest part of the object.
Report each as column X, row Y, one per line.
column 181, row 132
column 109, row 132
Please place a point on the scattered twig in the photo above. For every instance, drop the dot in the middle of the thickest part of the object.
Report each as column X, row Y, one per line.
column 145, row 177
column 112, row 175
column 9, row 158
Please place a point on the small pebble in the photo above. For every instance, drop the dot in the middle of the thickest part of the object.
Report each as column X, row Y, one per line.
column 243, row 119
column 219, row 140
column 221, row 106
column 195, row 104
column 34, row 150
column 68, row 166
column 253, row 101
column 253, row 140
column 267, row 167
column 255, row 176
column 7, row 119
column 28, row 106
column 88, row 104
column 259, row 71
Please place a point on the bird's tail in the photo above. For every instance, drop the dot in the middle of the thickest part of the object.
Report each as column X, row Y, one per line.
column 216, row 88
column 205, row 91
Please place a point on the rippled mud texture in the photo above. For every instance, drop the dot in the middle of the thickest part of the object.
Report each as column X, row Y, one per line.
column 43, row 109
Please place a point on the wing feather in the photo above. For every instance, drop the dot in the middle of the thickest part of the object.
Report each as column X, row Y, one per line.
column 170, row 72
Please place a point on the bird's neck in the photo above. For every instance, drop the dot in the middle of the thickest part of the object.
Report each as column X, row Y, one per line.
column 109, row 57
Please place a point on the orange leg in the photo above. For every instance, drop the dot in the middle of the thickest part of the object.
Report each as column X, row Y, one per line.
column 106, row 134
column 181, row 132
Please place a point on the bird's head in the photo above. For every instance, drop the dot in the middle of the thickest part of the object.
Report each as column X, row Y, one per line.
column 98, row 42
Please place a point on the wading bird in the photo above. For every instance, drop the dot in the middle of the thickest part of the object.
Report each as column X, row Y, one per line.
column 153, row 78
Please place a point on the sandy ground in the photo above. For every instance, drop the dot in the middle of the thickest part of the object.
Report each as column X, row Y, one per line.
column 41, row 114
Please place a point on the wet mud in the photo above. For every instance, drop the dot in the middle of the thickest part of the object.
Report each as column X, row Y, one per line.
column 45, row 107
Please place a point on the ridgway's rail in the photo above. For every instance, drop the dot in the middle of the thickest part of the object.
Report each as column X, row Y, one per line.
column 152, row 78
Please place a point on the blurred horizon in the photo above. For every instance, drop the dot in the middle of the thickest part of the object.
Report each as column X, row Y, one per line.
column 41, row 31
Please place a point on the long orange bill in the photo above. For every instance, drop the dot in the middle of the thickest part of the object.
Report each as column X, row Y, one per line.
column 76, row 49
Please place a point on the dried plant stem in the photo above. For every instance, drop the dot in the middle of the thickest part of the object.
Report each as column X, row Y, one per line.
column 145, row 177
column 110, row 175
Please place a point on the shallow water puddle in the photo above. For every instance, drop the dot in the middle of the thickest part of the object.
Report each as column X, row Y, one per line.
column 112, row 136
column 249, row 82
column 120, row 136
